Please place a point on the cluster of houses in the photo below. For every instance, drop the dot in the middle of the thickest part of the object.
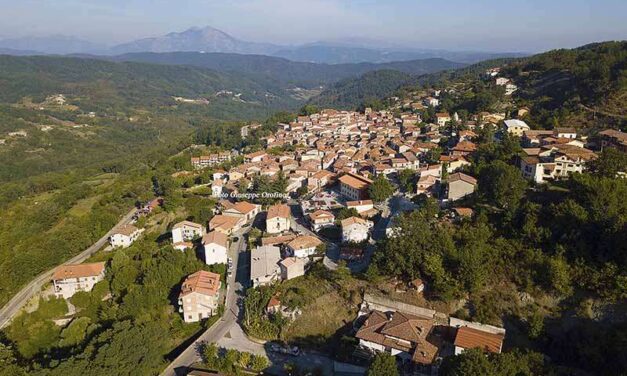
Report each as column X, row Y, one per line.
column 420, row 336
column 284, row 254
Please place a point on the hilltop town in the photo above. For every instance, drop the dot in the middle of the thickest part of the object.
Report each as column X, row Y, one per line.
column 340, row 239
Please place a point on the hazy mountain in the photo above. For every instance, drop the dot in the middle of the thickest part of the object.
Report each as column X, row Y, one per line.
column 56, row 44
column 285, row 71
column 207, row 39
column 14, row 52
column 211, row 40
column 345, row 52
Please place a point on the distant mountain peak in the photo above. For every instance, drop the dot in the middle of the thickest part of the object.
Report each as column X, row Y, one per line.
column 206, row 39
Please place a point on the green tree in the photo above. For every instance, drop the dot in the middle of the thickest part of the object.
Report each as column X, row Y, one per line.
column 210, row 355
column 346, row 213
column 259, row 363
column 502, row 185
column 381, row 189
column 470, row 362
column 609, row 163
column 244, row 359
column 383, row 364
column 406, row 179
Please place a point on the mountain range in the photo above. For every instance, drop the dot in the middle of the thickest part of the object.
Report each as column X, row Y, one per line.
column 212, row 40
column 286, row 72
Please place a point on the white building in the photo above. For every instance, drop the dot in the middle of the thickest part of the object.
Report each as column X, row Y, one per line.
column 198, row 298
column 355, row 229
column 124, row 236
column 320, row 219
column 264, row 265
column 515, row 127
column 70, row 279
column 363, row 207
column 217, row 188
column 244, row 210
column 303, row 246
column 215, row 245
column 186, row 231
column 354, row 187
column 278, row 219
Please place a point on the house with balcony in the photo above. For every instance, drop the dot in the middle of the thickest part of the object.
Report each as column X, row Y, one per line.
column 199, row 296
column 67, row 280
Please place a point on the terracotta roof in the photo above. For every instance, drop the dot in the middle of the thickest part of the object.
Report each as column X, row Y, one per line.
column 202, row 282
column 403, row 332
column 465, row 146
column 127, row 230
column 215, row 237
column 354, row 220
column 223, row 222
column 243, row 207
column 78, row 270
column 187, row 224
column 279, row 210
column 274, row 302
column 463, row 177
column 304, row 242
column 355, row 181
column 464, row 212
column 469, row 338
column 320, row 214
column 277, row 239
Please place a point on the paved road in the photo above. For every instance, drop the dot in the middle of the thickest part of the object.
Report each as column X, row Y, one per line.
column 34, row 287
column 234, row 294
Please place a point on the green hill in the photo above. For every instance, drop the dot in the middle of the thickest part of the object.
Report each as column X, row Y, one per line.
column 580, row 85
column 114, row 86
column 284, row 71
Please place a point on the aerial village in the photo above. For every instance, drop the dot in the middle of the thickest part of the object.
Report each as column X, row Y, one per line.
column 330, row 160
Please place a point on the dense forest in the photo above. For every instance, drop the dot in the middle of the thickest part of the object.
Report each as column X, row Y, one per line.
column 286, row 72
column 351, row 92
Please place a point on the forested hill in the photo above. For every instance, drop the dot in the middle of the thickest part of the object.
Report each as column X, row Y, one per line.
column 114, row 85
column 575, row 82
column 353, row 92
column 285, row 71
column 572, row 81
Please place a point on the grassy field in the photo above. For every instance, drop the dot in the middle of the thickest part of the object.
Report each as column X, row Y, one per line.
column 321, row 320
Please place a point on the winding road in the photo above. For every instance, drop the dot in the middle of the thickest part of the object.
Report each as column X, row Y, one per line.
column 34, row 287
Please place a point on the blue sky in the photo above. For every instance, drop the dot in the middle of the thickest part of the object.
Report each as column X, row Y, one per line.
column 506, row 25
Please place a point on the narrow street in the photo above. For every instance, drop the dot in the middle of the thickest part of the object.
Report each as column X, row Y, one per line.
column 234, row 294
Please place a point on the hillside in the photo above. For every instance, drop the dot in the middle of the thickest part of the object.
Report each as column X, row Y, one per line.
column 76, row 133
column 110, row 84
column 352, row 92
column 564, row 86
column 580, row 84
column 287, row 72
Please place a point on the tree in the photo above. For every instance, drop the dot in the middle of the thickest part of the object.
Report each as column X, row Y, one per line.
column 609, row 163
column 469, row 362
column 244, row 359
column 346, row 213
column 383, row 364
column 502, row 185
column 406, row 179
column 309, row 109
column 210, row 355
column 259, row 363
column 380, row 189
